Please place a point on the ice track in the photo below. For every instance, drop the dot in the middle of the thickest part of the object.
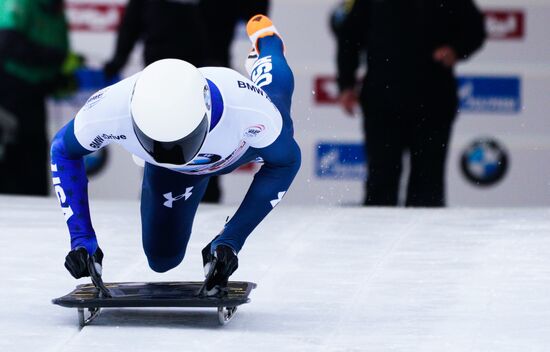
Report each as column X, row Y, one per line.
column 329, row 279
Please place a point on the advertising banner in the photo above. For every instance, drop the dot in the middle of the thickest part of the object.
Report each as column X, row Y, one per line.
column 489, row 94
column 505, row 24
column 341, row 161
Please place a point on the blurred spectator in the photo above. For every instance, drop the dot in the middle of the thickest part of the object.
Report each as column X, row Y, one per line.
column 408, row 98
column 169, row 29
column 221, row 18
column 180, row 29
column 33, row 48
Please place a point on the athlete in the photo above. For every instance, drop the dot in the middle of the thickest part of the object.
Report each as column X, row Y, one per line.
column 186, row 124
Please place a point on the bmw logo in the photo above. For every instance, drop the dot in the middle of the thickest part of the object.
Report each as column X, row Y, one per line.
column 484, row 162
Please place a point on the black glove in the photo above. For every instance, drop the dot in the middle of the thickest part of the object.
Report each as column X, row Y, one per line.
column 76, row 261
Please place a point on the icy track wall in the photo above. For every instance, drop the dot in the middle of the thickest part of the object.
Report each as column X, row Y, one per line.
column 501, row 140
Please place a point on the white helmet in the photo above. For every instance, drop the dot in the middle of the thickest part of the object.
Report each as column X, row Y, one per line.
column 171, row 109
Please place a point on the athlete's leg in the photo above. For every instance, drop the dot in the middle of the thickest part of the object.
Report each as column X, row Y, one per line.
column 169, row 201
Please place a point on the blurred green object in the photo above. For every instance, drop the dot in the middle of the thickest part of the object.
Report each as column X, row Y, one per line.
column 72, row 63
column 42, row 30
column 66, row 83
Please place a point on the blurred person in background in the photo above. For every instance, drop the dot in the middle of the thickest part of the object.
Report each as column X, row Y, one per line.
column 169, row 29
column 33, row 50
column 220, row 18
column 409, row 94
column 179, row 29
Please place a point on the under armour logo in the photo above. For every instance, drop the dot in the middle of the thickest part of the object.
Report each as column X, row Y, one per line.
column 280, row 196
column 170, row 199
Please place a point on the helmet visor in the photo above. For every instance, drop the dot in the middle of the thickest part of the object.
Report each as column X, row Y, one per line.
column 178, row 152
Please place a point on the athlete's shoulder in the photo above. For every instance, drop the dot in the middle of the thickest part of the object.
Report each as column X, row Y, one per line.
column 110, row 102
column 105, row 113
column 248, row 105
column 236, row 89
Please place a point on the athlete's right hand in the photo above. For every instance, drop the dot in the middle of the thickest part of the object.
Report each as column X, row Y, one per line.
column 76, row 262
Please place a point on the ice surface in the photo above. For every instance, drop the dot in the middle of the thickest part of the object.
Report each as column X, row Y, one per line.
column 338, row 279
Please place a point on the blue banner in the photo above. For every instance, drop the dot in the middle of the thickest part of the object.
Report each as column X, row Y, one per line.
column 341, row 161
column 487, row 94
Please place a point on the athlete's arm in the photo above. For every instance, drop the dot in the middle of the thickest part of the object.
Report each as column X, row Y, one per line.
column 71, row 186
column 281, row 164
column 85, row 134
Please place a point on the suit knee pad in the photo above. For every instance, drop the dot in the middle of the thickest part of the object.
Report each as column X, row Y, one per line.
column 163, row 264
